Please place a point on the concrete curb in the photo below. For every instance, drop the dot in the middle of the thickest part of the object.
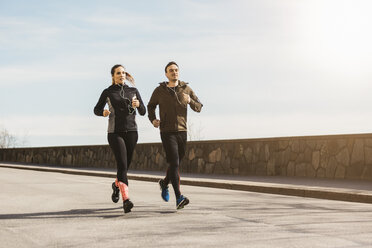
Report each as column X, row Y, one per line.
column 350, row 195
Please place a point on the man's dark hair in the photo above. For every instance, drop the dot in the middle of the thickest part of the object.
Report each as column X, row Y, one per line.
column 169, row 64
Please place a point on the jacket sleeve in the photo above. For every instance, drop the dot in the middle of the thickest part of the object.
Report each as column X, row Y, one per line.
column 98, row 109
column 195, row 104
column 151, row 106
column 141, row 109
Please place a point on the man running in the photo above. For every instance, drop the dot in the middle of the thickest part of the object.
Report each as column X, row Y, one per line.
column 173, row 97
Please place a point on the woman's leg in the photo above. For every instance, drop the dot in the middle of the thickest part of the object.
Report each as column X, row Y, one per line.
column 119, row 149
column 130, row 139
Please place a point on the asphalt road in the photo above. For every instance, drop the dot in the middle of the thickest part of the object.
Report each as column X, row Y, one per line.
column 47, row 209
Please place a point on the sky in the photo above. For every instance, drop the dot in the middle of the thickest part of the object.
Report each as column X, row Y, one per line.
column 261, row 68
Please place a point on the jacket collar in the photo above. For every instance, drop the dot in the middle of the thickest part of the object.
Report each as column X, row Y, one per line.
column 118, row 85
column 180, row 84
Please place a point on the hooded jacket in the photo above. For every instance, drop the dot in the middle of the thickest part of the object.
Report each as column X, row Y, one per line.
column 119, row 99
column 172, row 106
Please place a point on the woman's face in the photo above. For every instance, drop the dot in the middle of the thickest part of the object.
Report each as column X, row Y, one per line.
column 119, row 75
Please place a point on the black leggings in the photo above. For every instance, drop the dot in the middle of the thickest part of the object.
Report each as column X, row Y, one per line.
column 122, row 145
column 174, row 144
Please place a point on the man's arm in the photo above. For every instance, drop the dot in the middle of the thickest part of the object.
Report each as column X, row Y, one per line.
column 195, row 104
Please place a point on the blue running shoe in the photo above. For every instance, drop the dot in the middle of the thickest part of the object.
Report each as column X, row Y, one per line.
column 182, row 201
column 164, row 190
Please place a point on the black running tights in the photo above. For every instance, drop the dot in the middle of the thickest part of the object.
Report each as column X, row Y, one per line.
column 122, row 145
column 174, row 144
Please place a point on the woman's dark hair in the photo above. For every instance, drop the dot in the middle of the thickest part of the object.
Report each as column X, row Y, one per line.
column 127, row 75
column 169, row 64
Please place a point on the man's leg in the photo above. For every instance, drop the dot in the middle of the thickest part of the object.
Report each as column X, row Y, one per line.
column 170, row 144
column 181, row 141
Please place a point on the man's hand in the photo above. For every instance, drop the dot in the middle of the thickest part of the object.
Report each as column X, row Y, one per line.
column 106, row 113
column 186, row 98
column 156, row 123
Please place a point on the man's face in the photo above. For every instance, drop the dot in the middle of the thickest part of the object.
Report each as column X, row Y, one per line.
column 172, row 73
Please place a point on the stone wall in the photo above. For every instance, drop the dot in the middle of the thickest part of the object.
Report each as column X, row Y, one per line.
column 331, row 156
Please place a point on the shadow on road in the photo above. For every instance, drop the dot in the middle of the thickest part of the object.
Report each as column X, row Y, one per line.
column 85, row 213
column 73, row 213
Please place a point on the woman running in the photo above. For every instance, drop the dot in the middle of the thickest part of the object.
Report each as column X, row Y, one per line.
column 122, row 101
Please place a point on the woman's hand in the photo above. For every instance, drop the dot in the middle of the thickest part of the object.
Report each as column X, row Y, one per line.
column 106, row 113
column 135, row 102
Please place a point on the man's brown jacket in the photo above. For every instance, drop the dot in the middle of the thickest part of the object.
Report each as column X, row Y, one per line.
column 172, row 106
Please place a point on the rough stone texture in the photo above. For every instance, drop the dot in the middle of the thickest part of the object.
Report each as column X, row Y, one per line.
column 343, row 157
column 191, row 154
column 331, row 167
column 291, row 169
column 332, row 156
column 271, row 168
column 340, row 172
column 368, row 142
column 301, row 169
column 357, row 156
column 310, row 171
column 283, row 144
column 199, row 153
column 368, row 155
column 209, row 168
column 321, row 173
column 215, row 156
column 367, row 173
column 316, row 159
column 248, row 154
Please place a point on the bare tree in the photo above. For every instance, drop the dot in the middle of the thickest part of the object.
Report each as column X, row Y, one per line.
column 6, row 139
column 194, row 131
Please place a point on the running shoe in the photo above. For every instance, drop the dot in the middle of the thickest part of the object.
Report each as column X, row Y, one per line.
column 182, row 201
column 164, row 190
column 127, row 206
column 115, row 193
